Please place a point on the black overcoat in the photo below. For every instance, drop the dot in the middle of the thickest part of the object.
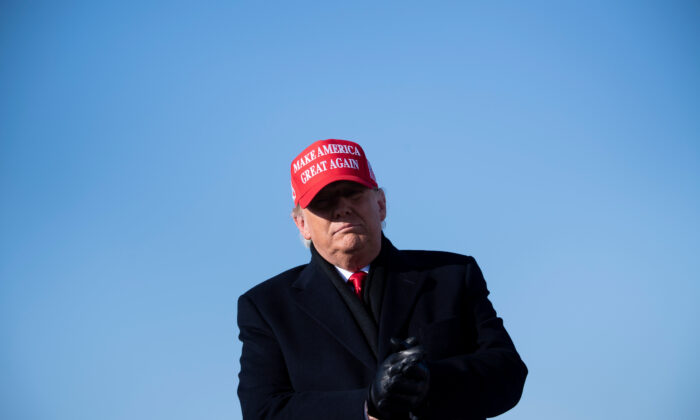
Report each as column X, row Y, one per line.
column 305, row 355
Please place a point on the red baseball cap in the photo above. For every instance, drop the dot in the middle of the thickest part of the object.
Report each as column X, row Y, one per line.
column 327, row 161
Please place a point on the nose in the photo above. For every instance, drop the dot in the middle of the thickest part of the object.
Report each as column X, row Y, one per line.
column 343, row 207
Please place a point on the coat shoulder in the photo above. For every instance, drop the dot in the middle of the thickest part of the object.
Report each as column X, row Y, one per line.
column 435, row 259
column 275, row 284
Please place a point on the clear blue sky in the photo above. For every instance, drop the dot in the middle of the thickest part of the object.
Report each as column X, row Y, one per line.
column 144, row 185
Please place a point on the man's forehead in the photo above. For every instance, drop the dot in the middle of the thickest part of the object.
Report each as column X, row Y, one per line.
column 339, row 187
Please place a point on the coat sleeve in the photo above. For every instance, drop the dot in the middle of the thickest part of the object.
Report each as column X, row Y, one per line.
column 265, row 389
column 485, row 382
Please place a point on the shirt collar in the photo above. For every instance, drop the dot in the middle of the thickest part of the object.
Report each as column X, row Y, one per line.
column 346, row 274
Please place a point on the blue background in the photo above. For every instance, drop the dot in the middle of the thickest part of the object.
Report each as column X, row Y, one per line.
column 144, row 180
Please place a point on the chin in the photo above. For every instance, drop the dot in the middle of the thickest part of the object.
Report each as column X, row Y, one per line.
column 352, row 242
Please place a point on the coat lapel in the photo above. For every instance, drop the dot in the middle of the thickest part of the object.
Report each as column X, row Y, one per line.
column 316, row 296
column 401, row 291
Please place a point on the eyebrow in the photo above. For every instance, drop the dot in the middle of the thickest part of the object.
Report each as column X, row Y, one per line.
column 346, row 190
column 339, row 192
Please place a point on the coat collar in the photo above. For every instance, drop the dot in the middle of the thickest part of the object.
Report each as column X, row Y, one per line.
column 317, row 296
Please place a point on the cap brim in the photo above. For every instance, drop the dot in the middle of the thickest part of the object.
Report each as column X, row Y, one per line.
column 306, row 199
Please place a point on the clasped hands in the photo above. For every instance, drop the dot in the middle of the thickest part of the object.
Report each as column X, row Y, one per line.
column 402, row 381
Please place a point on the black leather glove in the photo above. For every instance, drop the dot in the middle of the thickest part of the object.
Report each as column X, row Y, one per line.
column 402, row 381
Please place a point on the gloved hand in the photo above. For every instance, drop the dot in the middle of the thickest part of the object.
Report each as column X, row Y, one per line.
column 402, row 381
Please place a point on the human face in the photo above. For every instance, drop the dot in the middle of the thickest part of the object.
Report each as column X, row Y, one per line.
column 344, row 222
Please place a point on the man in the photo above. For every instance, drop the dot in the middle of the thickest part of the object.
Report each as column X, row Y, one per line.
column 365, row 330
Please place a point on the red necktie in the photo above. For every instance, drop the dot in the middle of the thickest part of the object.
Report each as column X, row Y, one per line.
column 357, row 279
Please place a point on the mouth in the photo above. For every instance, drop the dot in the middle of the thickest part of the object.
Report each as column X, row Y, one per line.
column 346, row 227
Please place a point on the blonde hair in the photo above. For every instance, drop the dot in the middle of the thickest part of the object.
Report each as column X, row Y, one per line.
column 296, row 212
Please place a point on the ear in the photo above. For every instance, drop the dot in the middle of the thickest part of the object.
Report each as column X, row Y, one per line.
column 381, row 202
column 300, row 221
